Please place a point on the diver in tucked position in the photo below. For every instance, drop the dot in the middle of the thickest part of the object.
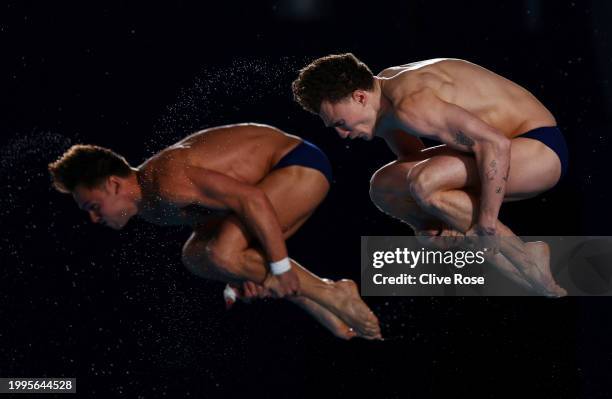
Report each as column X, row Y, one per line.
column 244, row 189
column 500, row 144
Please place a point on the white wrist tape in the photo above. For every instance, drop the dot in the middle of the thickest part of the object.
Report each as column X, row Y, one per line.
column 280, row 266
column 229, row 295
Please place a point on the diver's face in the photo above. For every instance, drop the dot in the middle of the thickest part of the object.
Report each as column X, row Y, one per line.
column 353, row 117
column 106, row 204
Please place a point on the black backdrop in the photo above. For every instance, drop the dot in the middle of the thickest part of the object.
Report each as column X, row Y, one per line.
column 119, row 312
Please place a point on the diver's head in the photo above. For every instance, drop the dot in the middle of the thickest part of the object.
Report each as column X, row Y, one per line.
column 343, row 92
column 101, row 182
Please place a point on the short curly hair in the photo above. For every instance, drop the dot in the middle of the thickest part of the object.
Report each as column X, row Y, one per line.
column 86, row 165
column 330, row 78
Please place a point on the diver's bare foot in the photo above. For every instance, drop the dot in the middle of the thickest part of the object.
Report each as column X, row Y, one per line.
column 325, row 317
column 353, row 311
column 540, row 254
column 250, row 291
column 528, row 265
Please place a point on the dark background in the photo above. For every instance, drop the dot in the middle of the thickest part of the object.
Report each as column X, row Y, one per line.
column 120, row 313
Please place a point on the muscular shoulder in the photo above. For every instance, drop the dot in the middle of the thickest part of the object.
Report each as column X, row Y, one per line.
column 419, row 111
column 245, row 127
column 413, row 85
column 416, row 104
column 167, row 174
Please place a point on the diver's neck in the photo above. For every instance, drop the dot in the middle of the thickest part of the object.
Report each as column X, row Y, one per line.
column 384, row 106
column 136, row 184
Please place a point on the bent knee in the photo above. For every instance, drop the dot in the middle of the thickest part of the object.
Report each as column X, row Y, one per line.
column 422, row 186
column 194, row 259
column 390, row 179
column 387, row 200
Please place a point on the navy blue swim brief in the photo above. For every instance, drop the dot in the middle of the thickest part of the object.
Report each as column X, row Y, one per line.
column 308, row 155
column 552, row 137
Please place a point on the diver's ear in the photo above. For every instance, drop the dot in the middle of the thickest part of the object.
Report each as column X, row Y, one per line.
column 360, row 96
column 113, row 184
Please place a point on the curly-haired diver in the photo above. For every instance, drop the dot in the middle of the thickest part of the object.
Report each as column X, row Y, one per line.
column 500, row 144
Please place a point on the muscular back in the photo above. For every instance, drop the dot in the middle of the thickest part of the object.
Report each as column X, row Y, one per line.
column 244, row 152
column 494, row 99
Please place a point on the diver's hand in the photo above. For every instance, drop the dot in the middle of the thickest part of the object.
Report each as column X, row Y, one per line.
column 246, row 292
column 284, row 284
column 251, row 290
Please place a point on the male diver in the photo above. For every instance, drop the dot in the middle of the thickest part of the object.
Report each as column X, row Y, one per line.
column 244, row 189
column 500, row 144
